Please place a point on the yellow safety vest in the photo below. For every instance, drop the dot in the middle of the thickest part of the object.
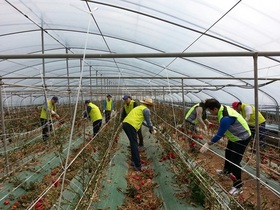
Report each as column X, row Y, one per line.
column 109, row 104
column 44, row 114
column 191, row 115
column 94, row 113
column 129, row 107
column 239, row 130
column 136, row 117
column 252, row 119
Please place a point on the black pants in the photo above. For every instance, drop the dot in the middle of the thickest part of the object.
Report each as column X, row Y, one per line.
column 233, row 155
column 96, row 126
column 46, row 128
column 132, row 136
column 107, row 115
column 140, row 137
column 262, row 134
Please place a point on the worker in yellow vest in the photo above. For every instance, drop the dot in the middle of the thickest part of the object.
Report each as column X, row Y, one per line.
column 94, row 114
column 130, row 104
column 132, row 123
column 248, row 113
column 197, row 115
column 108, row 107
column 48, row 112
column 235, row 127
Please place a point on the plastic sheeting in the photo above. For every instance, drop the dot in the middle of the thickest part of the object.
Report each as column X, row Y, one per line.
column 127, row 26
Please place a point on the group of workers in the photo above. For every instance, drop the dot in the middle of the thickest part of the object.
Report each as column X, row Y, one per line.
column 132, row 117
column 236, row 122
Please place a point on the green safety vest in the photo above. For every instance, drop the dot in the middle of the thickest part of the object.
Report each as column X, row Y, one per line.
column 44, row 114
column 94, row 113
column 129, row 107
column 252, row 119
column 136, row 117
column 239, row 130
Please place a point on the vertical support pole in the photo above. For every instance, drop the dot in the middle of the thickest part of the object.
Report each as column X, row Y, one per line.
column 183, row 96
column 68, row 80
column 4, row 130
column 257, row 130
column 90, row 82
column 277, row 120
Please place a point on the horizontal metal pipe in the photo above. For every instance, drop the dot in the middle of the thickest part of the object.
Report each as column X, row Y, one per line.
column 145, row 77
column 140, row 55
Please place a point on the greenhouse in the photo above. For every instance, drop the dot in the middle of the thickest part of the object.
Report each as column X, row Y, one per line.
column 122, row 104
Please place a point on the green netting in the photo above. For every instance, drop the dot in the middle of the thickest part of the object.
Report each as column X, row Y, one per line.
column 111, row 197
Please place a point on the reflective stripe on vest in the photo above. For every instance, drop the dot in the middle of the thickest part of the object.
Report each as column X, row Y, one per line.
column 94, row 113
column 136, row 117
column 239, row 130
column 252, row 119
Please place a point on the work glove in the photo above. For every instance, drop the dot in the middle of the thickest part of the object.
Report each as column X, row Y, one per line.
column 204, row 148
column 152, row 131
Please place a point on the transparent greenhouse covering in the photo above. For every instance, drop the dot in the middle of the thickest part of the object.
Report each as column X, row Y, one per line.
column 161, row 49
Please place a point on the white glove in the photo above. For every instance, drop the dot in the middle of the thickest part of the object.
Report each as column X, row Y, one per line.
column 53, row 112
column 103, row 111
column 204, row 148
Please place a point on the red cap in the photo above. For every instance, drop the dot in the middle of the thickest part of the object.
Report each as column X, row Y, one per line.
column 235, row 104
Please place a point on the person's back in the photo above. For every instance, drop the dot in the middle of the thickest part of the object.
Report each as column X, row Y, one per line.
column 248, row 112
column 136, row 117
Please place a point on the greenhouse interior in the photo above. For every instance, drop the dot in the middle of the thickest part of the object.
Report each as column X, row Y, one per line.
column 70, row 139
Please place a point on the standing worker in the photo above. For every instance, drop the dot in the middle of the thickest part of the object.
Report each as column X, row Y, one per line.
column 235, row 127
column 248, row 112
column 93, row 112
column 128, row 106
column 108, row 107
column 47, row 113
column 132, row 123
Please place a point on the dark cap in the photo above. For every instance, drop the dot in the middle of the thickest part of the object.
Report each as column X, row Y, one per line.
column 126, row 97
column 55, row 98
column 109, row 95
column 87, row 101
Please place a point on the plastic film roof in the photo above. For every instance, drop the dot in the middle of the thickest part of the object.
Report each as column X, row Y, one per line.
column 73, row 27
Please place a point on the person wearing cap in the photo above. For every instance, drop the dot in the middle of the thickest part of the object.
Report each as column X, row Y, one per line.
column 238, row 133
column 108, row 107
column 132, row 123
column 48, row 112
column 129, row 104
column 248, row 112
column 94, row 114
column 196, row 115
